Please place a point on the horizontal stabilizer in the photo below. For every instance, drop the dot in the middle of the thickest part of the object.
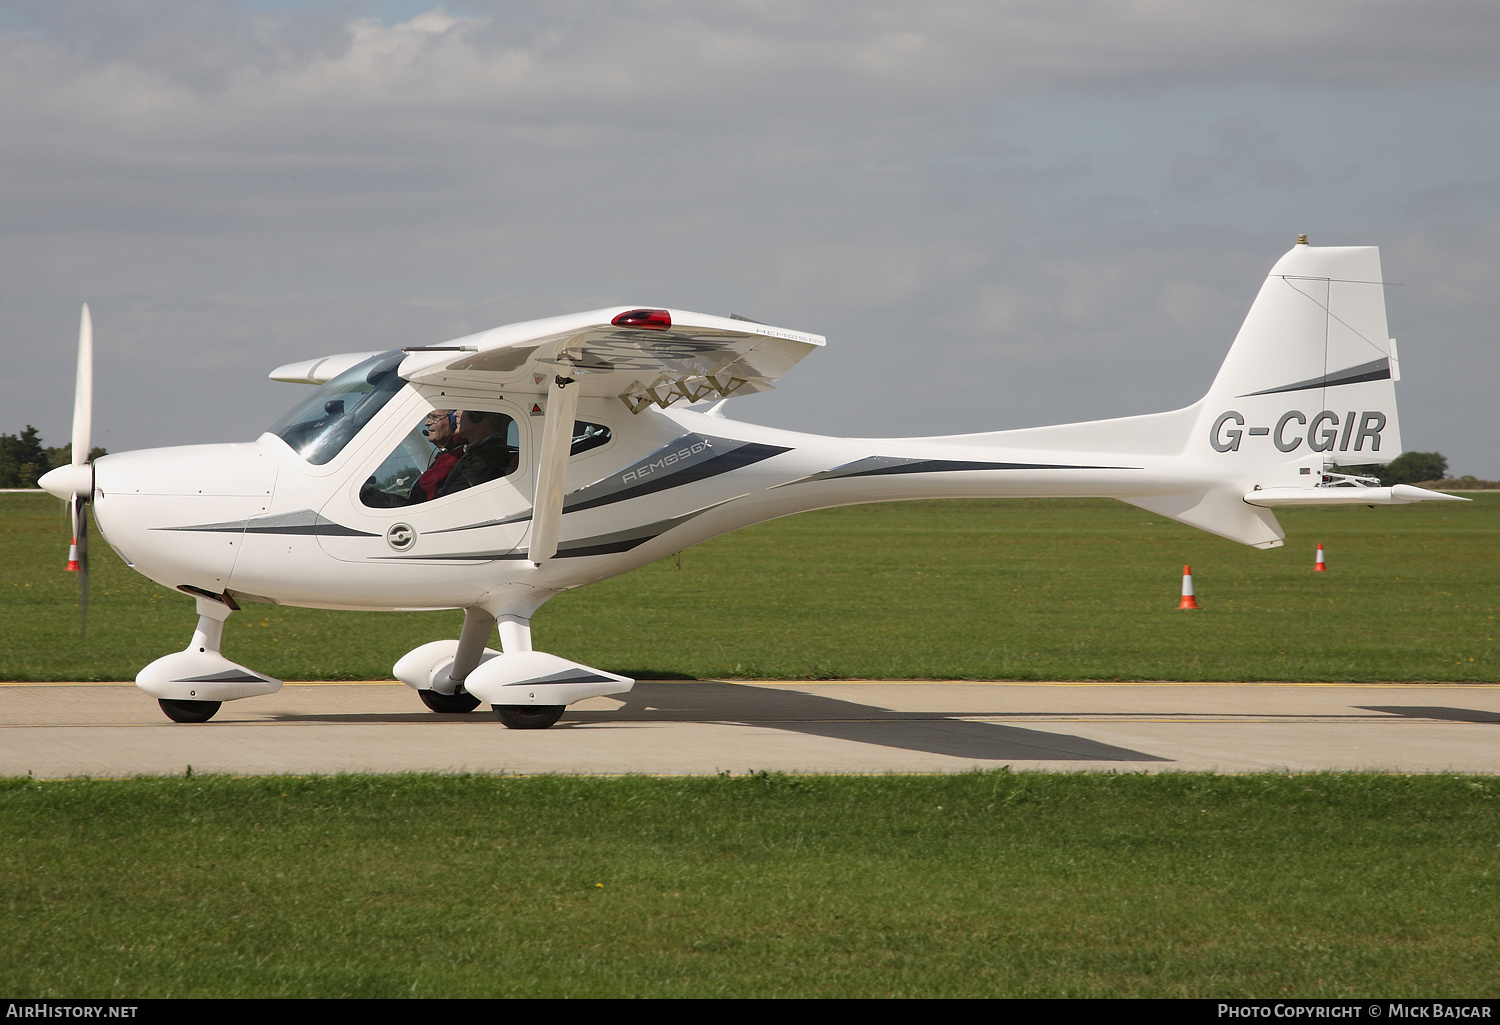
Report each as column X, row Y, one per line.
column 1398, row 494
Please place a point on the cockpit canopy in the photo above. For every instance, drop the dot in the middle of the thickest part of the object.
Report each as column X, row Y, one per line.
column 320, row 426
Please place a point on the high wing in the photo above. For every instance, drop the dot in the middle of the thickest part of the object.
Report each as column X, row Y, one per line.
column 639, row 355
column 320, row 370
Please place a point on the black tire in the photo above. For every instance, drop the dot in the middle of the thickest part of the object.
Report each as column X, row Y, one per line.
column 529, row 717
column 449, row 704
column 189, row 711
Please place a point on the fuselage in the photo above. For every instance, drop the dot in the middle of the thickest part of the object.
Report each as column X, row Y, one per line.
column 260, row 521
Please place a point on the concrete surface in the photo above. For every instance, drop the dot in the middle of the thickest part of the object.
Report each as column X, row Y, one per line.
column 684, row 728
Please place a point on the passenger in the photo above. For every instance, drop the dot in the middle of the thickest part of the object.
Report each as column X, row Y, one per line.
column 486, row 457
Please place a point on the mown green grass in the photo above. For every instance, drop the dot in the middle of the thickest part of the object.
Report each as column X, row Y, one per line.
column 987, row 884
column 1020, row 590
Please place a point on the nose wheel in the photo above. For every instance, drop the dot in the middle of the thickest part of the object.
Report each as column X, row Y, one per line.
column 189, row 711
column 529, row 717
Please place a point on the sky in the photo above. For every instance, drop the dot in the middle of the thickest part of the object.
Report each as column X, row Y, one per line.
column 999, row 214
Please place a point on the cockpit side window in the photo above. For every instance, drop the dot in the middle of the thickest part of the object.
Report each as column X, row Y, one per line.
column 320, row 426
column 448, row 452
column 587, row 436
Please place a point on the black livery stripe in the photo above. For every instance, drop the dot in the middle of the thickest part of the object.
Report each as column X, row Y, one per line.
column 1375, row 370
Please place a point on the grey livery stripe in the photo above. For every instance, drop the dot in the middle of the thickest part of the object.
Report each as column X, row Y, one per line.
column 690, row 458
column 598, row 544
column 566, row 676
column 879, row 466
column 303, row 521
column 1375, row 370
column 227, row 676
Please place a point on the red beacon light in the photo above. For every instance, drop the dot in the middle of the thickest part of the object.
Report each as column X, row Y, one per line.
column 651, row 320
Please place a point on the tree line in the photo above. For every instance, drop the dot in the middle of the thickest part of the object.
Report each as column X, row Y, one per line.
column 23, row 458
column 1407, row 468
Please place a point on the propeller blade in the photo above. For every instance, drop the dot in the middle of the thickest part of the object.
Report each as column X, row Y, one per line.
column 83, row 392
column 83, row 416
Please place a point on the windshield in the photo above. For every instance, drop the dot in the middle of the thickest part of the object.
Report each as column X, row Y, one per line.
column 319, row 427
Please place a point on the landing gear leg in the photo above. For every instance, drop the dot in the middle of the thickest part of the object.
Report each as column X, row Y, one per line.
column 515, row 636
column 477, row 626
column 191, row 685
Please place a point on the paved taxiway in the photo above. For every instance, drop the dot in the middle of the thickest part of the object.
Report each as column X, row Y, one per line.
column 670, row 728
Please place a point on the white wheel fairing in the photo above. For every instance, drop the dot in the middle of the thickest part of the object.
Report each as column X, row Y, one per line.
column 538, row 678
column 426, row 667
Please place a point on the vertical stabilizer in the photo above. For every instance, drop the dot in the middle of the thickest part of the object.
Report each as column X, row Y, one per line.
column 1309, row 380
column 1307, row 383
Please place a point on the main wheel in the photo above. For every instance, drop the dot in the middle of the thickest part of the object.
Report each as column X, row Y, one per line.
column 189, row 711
column 529, row 717
column 452, row 704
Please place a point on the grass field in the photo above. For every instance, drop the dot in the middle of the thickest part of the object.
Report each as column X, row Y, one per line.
column 1014, row 590
column 988, row 884
column 984, row 884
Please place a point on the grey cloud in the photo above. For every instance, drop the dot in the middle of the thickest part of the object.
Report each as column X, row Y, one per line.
column 234, row 190
column 1246, row 149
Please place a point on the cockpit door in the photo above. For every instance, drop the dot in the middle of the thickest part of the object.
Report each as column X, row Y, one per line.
column 481, row 516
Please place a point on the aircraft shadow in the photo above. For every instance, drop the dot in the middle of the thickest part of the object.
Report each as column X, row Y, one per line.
column 943, row 733
column 1435, row 712
column 820, row 716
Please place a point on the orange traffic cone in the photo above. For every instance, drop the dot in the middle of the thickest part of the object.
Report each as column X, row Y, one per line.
column 1188, row 601
column 1320, row 566
column 73, row 556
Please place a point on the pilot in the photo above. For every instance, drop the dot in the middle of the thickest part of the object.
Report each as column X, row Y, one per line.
column 440, row 429
column 486, row 455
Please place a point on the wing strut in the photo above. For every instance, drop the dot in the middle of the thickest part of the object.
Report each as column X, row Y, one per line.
column 552, row 468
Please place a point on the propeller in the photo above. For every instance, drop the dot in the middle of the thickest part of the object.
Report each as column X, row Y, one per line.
column 75, row 482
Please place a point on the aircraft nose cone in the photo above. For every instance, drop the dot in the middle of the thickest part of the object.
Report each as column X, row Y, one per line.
column 67, row 481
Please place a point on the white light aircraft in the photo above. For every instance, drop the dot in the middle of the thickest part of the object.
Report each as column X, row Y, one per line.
column 495, row 471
